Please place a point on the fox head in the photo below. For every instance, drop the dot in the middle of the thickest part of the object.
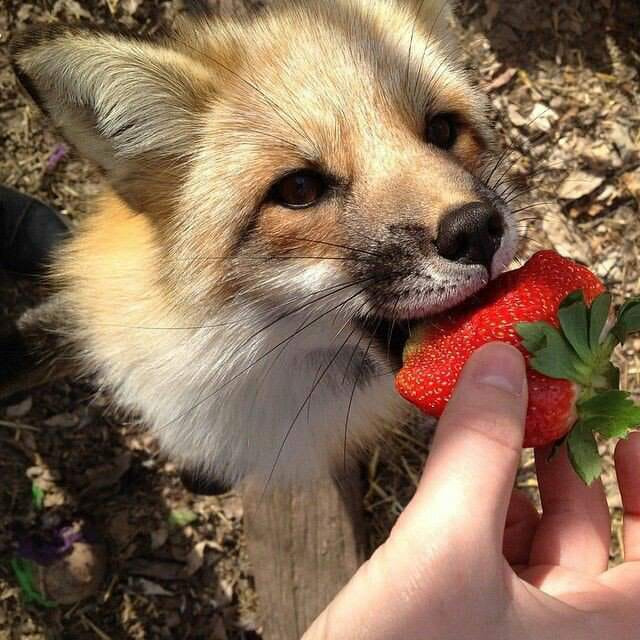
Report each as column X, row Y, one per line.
column 287, row 192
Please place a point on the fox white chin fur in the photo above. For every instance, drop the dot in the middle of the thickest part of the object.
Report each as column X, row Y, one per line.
column 286, row 192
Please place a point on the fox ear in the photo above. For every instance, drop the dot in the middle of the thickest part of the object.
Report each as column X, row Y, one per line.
column 433, row 15
column 119, row 101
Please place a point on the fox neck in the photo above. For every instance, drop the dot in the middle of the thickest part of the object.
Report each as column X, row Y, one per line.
column 243, row 391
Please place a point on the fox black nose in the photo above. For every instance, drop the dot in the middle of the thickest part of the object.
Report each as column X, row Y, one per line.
column 471, row 234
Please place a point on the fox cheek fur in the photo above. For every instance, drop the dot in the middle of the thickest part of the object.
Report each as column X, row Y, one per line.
column 286, row 193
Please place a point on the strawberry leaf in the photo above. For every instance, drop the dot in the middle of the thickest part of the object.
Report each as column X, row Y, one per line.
column 598, row 318
column 583, row 453
column 628, row 320
column 551, row 354
column 532, row 334
column 574, row 320
column 572, row 298
column 611, row 413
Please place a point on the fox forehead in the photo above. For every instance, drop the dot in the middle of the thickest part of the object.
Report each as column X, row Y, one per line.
column 341, row 85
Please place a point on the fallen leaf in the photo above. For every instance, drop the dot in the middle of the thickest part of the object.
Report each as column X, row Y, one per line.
column 579, row 184
column 149, row 588
column 159, row 569
column 619, row 135
column 542, row 117
column 566, row 239
column 106, row 475
column 159, row 537
column 608, row 194
column 502, row 80
column 196, row 556
column 21, row 409
column 121, row 530
column 70, row 7
column 515, row 116
column 607, row 268
column 232, row 506
column 63, row 420
column 130, row 6
column 631, row 181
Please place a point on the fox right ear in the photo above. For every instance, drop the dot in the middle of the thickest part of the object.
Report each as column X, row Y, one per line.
column 432, row 15
column 124, row 103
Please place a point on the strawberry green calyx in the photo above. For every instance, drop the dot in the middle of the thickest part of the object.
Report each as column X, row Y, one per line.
column 580, row 351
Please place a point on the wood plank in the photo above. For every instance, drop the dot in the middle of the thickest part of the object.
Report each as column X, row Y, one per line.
column 304, row 544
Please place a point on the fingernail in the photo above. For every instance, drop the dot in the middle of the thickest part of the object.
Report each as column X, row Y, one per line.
column 500, row 366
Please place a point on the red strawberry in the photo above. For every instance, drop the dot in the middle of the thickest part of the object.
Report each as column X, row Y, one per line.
column 570, row 378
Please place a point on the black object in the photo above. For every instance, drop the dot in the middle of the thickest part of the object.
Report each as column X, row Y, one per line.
column 29, row 232
column 14, row 354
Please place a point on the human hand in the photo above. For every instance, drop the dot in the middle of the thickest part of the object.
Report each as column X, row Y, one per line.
column 470, row 559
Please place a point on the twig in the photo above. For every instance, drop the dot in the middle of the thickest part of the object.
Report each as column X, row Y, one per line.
column 101, row 634
column 18, row 425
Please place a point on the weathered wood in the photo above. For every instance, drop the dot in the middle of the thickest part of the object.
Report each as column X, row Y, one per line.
column 304, row 544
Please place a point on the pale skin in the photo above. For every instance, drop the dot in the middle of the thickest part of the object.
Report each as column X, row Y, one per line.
column 470, row 559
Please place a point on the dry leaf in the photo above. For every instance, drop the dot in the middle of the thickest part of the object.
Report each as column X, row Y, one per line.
column 619, row 135
column 106, row 475
column 631, row 181
column 130, row 6
column 195, row 559
column 71, row 8
column 62, row 420
column 579, row 184
column 515, row 116
column 21, row 409
column 502, row 80
column 121, row 530
column 232, row 506
column 159, row 537
column 542, row 117
column 565, row 238
column 149, row 588
column 159, row 569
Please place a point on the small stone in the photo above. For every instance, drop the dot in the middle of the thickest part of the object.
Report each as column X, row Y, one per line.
column 75, row 577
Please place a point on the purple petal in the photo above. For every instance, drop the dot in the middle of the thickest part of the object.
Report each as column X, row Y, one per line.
column 46, row 550
column 59, row 152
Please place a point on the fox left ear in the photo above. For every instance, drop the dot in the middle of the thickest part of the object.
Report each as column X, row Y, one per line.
column 124, row 103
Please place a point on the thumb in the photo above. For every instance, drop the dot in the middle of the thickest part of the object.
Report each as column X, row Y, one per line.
column 468, row 479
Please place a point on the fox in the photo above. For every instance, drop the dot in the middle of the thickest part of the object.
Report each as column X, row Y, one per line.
column 285, row 195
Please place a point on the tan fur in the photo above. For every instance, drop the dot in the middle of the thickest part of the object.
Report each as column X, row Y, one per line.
column 185, row 290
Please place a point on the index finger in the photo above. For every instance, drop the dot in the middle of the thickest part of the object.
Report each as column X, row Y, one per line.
column 468, row 479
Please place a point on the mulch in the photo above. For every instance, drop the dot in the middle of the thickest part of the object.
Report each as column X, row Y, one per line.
column 563, row 77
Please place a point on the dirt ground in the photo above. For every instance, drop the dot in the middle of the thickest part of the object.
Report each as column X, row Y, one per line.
column 563, row 77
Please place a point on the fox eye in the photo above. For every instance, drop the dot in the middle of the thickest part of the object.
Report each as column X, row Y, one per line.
column 299, row 190
column 442, row 131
